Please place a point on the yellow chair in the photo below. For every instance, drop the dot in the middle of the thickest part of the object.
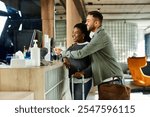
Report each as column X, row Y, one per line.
column 135, row 64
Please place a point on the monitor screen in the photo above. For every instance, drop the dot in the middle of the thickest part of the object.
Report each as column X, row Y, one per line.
column 25, row 38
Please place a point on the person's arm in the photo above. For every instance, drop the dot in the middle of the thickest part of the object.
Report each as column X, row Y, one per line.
column 87, row 72
column 97, row 43
column 66, row 62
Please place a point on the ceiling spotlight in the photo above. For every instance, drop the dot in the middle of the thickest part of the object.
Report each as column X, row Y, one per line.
column 98, row 9
column 55, row 11
column 61, row 17
column 90, row 3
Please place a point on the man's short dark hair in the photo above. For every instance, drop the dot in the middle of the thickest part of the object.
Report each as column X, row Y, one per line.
column 96, row 14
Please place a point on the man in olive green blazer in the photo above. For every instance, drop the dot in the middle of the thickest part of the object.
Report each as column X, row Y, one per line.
column 100, row 48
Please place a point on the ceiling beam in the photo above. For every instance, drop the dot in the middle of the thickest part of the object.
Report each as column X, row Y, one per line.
column 64, row 13
column 63, row 2
column 113, row 13
column 148, row 27
column 125, row 12
column 128, row 19
column 91, row 3
column 81, row 8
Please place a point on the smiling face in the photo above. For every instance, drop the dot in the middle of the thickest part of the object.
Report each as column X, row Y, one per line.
column 92, row 23
column 77, row 35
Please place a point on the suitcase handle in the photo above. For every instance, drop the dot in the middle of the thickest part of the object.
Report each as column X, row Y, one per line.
column 72, row 87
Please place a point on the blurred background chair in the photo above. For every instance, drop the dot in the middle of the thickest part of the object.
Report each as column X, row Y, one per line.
column 135, row 65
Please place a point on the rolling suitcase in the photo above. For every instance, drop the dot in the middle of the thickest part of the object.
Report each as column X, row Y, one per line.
column 72, row 86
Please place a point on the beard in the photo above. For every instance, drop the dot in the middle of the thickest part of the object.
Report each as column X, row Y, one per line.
column 91, row 28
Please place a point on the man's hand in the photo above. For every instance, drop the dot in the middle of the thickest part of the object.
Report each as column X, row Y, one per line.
column 66, row 62
column 78, row 74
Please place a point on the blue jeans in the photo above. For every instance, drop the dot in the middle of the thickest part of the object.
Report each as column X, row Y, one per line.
column 78, row 89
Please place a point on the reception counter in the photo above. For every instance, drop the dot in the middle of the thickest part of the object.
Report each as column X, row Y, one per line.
column 45, row 82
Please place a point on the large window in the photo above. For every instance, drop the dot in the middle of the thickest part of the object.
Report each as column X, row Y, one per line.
column 147, row 45
column 124, row 37
column 60, row 27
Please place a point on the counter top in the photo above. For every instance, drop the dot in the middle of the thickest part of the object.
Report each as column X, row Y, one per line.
column 52, row 65
column 16, row 95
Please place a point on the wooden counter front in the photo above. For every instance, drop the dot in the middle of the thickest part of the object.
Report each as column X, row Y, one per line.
column 42, row 81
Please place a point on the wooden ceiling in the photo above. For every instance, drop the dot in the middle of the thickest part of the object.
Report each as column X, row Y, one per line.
column 137, row 11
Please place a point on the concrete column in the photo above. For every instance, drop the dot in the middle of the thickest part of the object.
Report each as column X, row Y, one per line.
column 51, row 17
column 72, row 17
column 47, row 15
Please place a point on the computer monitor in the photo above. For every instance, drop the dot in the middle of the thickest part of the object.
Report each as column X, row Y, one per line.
column 24, row 38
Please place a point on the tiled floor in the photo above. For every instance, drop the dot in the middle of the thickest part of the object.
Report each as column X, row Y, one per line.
column 93, row 96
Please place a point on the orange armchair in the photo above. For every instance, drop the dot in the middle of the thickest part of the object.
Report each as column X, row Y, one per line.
column 135, row 64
